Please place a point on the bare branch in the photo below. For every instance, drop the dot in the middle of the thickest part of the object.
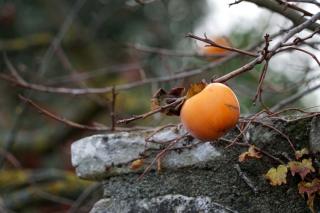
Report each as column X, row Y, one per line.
column 299, row 40
column 64, row 120
column 168, row 52
column 315, row 2
column 10, row 158
column 245, row 178
column 85, row 91
column 12, row 69
column 235, row 2
column 301, row 50
column 161, row 108
column 181, row 75
column 262, row 77
column 214, row 44
column 296, row 30
column 240, row 70
column 292, row 6
column 289, row 13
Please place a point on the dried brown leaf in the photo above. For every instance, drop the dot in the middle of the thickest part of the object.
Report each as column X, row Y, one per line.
column 195, row 89
column 174, row 110
column 311, row 188
column 251, row 153
column 302, row 168
column 157, row 98
column 277, row 176
column 176, row 92
column 161, row 98
column 155, row 104
column 159, row 93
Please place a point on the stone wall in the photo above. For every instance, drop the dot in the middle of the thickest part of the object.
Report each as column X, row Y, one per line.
column 194, row 177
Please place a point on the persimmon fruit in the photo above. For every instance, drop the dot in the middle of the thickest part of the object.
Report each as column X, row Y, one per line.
column 210, row 50
column 209, row 114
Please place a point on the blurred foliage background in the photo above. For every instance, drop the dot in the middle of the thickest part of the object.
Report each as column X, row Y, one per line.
column 79, row 44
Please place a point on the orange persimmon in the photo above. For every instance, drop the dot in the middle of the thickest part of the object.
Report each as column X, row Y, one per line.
column 211, row 113
column 210, row 50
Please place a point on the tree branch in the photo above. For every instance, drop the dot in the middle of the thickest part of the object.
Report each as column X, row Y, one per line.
column 315, row 2
column 66, row 121
column 214, row 44
column 289, row 13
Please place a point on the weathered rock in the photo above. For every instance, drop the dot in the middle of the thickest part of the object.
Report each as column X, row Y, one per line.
column 167, row 203
column 314, row 141
column 196, row 178
column 102, row 156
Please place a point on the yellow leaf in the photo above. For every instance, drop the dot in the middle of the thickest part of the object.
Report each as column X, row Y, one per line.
column 251, row 153
column 300, row 153
column 277, row 176
column 302, row 168
column 195, row 89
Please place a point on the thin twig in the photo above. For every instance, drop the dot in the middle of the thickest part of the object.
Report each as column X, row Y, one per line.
column 295, row 30
column 86, row 91
column 289, row 13
column 268, row 155
column 10, row 158
column 145, row 115
column 266, row 56
column 245, row 178
column 149, row 137
column 259, row 59
column 255, row 147
column 179, row 75
column 240, row 70
column 315, row 2
column 167, row 52
column 12, row 69
column 214, row 44
column 299, row 40
column 245, row 128
column 295, row 7
column 278, row 131
column 235, row 2
column 161, row 154
column 64, row 120
column 261, row 80
column 301, row 50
